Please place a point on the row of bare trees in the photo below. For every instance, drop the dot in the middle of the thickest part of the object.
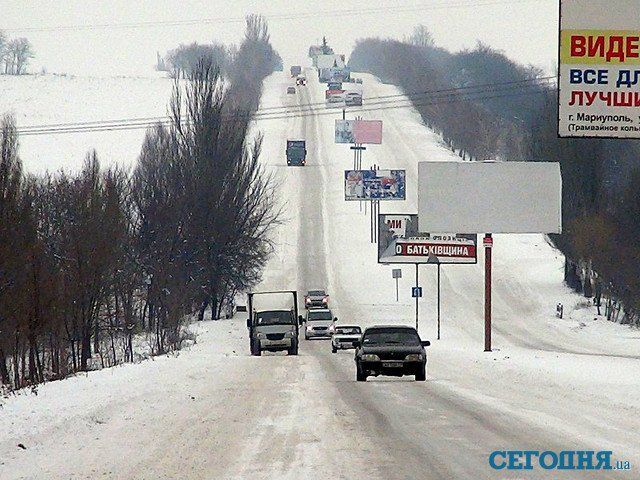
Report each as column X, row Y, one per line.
column 601, row 194
column 183, row 60
column 101, row 265
column 14, row 55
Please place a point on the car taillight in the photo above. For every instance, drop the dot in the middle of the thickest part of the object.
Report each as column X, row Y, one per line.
column 325, row 299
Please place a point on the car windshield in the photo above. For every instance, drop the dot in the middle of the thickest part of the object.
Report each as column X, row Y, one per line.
column 316, row 293
column 274, row 318
column 320, row 315
column 391, row 336
column 348, row 330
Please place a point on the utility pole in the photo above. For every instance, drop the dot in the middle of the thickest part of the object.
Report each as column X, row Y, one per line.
column 438, row 300
column 488, row 245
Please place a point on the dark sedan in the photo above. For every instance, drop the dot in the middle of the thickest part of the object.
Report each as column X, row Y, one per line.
column 390, row 350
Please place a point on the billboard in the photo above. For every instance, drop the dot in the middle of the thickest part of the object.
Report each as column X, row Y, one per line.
column 374, row 185
column 359, row 131
column 490, row 197
column 599, row 60
column 399, row 241
column 344, row 131
column 368, row 131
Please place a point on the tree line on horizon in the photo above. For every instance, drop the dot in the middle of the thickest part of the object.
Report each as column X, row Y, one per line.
column 103, row 266
column 601, row 177
column 181, row 61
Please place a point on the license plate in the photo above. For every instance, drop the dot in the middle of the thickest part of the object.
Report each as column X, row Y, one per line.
column 391, row 364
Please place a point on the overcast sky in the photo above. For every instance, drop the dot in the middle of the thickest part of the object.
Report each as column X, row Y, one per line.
column 525, row 30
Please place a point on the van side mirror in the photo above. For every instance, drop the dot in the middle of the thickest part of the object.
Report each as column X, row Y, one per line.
column 425, row 343
column 248, row 323
column 335, row 319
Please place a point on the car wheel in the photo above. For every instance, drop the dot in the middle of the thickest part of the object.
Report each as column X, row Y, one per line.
column 306, row 337
column 333, row 349
column 361, row 376
column 294, row 348
column 421, row 376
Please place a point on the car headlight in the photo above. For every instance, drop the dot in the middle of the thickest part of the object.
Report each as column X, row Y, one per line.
column 290, row 334
column 370, row 357
column 414, row 357
column 261, row 335
column 309, row 328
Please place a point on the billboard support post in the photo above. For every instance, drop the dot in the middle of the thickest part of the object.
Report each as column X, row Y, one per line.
column 438, row 300
column 488, row 244
column 397, row 294
column 417, row 298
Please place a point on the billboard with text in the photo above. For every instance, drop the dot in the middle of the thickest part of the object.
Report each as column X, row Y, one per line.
column 599, row 60
column 400, row 242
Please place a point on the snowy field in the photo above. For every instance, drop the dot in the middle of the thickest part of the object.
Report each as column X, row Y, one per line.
column 37, row 100
column 216, row 412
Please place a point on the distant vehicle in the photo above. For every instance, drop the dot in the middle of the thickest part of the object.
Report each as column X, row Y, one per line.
column 296, row 152
column 291, row 89
column 316, row 298
column 334, row 86
column 295, row 70
column 319, row 323
column 353, row 99
column 302, row 81
column 344, row 336
column 274, row 329
column 390, row 350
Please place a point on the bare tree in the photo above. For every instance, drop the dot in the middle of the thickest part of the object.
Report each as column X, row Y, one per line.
column 421, row 37
column 19, row 52
column 3, row 50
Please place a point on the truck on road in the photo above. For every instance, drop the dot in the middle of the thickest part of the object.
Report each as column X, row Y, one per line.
column 296, row 152
column 295, row 70
column 273, row 322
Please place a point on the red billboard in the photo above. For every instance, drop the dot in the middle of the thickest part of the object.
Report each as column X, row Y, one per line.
column 368, row 131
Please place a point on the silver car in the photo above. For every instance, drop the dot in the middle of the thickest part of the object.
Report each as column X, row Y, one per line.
column 319, row 323
column 344, row 336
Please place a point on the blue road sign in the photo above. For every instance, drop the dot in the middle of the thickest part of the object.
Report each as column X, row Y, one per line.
column 416, row 292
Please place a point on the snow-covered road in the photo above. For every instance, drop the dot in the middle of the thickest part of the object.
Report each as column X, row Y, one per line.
column 216, row 412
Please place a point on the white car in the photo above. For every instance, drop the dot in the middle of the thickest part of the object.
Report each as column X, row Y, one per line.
column 344, row 336
column 319, row 323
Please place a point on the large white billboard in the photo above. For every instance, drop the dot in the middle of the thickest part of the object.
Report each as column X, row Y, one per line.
column 599, row 67
column 490, row 197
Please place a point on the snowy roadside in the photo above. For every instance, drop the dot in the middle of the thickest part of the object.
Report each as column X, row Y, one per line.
column 103, row 395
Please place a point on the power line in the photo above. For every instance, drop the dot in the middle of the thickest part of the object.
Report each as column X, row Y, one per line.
column 455, row 4
column 487, row 94
column 144, row 122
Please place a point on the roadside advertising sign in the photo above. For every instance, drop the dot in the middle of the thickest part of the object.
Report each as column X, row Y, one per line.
column 599, row 68
column 331, row 93
column 490, row 197
column 359, row 131
column 400, row 242
column 368, row 131
column 374, row 185
column 344, row 131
